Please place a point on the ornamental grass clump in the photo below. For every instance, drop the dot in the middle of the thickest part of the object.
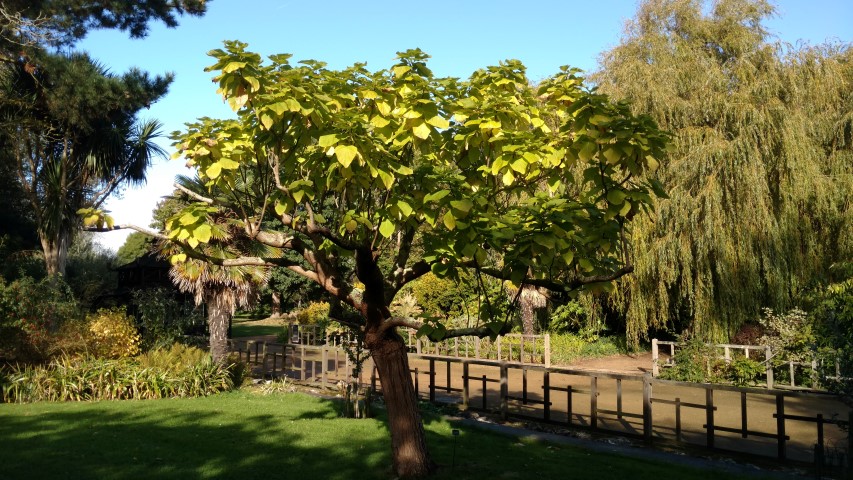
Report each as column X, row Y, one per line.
column 178, row 372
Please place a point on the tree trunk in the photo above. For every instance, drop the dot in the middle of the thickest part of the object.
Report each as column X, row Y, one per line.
column 408, row 440
column 528, row 317
column 276, row 305
column 218, row 315
column 55, row 252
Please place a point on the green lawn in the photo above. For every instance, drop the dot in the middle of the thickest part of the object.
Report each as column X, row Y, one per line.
column 249, row 435
column 243, row 330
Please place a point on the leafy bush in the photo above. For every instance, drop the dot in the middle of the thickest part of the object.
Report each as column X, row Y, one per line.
column 114, row 334
column 316, row 313
column 163, row 320
column 743, row 371
column 84, row 379
column 568, row 347
column 31, row 314
column 694, row 361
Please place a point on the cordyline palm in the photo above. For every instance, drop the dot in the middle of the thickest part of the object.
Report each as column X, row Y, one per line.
column 222, row 289
column 73, row 132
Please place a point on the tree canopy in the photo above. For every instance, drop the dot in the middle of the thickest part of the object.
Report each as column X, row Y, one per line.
column 532, row 185
column 56, row 23
column 74, row 138
column 760, row 172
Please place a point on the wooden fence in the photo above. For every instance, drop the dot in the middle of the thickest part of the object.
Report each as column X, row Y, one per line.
column 526, row 349
column 793, row 426
column 762, row 353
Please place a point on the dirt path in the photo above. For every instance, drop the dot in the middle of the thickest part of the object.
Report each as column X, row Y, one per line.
column 638, row 363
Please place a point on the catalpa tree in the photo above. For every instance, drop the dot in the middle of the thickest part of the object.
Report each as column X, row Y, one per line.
column 534, row 186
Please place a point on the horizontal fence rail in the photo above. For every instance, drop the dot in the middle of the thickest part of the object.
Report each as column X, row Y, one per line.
column 793, row 426
column 527, row 349
column 815, row 370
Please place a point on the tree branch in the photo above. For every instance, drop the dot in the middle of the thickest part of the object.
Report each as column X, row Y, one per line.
column 192, row 194
column 129, row 226
column 569, row 286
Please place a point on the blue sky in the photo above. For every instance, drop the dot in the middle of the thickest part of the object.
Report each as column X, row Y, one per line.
column 461, row 36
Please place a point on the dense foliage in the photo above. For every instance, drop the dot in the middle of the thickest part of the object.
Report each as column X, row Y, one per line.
column 179, row 372
column 535, row 186
column 759, row 175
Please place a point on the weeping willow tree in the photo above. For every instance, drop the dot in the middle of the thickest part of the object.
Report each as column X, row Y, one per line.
column 760, row 174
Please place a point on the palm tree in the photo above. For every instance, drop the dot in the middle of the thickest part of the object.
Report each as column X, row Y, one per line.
column 222, row 289
column 74, row 137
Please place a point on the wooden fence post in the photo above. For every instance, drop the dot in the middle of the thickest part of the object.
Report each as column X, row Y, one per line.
column 655, row 368
column 432, row 380
column 547, row 350
column 619, row 398
column 768, row 366
column 709, row 416
column 546, row 394
column 647, row 408
column 780, row 425
column 465, row 392
column 593, row 402
column 504, row 392
column 324, row 358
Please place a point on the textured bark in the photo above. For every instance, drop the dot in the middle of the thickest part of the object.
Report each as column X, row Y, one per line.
column 408, row 440
column 276, row 305
column 528, row 317
column 218, row 314
column 55, row 253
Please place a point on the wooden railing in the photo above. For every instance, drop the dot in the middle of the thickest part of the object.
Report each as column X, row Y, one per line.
column 526, row 349
column 803, row 427
column 762, row 353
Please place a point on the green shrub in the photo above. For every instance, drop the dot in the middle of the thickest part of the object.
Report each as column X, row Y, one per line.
column 568, row 347
column 86, row 378
column 114, row 334
column 744, row 372
column 31, row 314
column 694, row 361
column 163, row 320
column 316, row 313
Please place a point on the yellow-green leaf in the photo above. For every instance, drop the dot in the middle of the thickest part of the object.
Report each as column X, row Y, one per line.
column 463, row 205
column 438, row 122
column 387, row 179
column 188, row 218
column 449, row 221
column 405, row 208
column 616, row 197
column 612, row 154
column 345, row 154
column 386, row 228
column 327, row 141
column 379, row 121
column 213, row 171
column 421, row 131
column 351, row 226
column 202, row 233
column 587, row 151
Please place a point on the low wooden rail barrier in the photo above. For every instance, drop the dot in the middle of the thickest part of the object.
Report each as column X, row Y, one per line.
column 783, row 424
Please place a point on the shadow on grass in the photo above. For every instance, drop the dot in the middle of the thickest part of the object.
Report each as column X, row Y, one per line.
column 238, row 331
column 227, row 436
column 245, row 435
